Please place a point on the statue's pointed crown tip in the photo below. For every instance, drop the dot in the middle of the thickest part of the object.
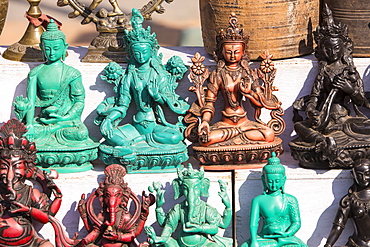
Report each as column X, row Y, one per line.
column 52, row 26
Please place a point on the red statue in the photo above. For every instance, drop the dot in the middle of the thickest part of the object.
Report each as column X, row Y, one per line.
column 114, row 225
column 20, row 204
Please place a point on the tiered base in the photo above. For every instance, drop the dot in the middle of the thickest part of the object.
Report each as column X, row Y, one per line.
column 237, row 156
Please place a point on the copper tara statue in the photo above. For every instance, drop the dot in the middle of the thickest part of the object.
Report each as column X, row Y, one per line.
column 235, row 140
column 330, row 136
column 355, row 206
column 109, row 45
column 20, row 203
column 114, row 226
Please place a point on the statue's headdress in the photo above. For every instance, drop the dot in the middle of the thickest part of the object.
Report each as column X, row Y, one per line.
column 273, row 166
column 52, row 32
column 190, row 173
column 114, row 175
column 138, row 34
column 233, row 33
column 13, row 143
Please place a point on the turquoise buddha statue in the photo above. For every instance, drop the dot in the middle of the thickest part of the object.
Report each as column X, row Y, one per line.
column 62, row 139
column 149, row 143
column 279, row 211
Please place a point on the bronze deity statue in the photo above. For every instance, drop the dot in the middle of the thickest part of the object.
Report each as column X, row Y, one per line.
column 235, row 140
column 21, row 203
column 108, row 45
column 149, row 143
column 355, row 206
column 330, row 136
column 114, row 226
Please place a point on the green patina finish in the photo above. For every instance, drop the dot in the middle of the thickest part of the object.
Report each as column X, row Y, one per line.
column 149, row 143
column 197, row 221
column 279, row 211
column 62, row 139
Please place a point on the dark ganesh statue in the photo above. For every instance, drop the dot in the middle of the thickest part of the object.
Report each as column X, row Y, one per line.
column 354, row 206
column 113, row 226
column 235, row 140
column 20, row 203
column 150, row 143
column 330, row 136
column 198, row 221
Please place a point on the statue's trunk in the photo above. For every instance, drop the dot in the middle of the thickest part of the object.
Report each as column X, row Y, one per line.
column 10, row 180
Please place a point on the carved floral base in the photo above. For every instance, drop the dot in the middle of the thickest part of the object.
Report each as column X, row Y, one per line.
column 153, row 160
column 67, row 160
column 237, row 156
column 23, row 53
column 105, row 48
column 332, row 157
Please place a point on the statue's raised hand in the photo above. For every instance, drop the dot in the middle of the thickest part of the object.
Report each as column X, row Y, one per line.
column 203, row 131
column 343, row 84
column 157, row 187
column 223, row 194
column 82, row 206
column 21, row 208
column 149, row 231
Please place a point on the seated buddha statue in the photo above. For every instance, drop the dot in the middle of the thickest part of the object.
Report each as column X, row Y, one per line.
column 279, row 211
column 233, row 79
column 149, row 142
column 56, row 88
column 330, row 136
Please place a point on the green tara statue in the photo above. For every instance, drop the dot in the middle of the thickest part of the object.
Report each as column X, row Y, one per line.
column 62, row 139
column 149, row 143
column 199, row 222
column 279, row 211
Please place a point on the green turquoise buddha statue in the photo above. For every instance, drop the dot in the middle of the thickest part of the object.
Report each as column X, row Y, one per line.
column 197, row 221
column 150, row 143
column 279, row 211
column 62, row 139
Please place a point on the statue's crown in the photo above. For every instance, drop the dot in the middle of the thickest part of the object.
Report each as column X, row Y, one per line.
column 138, row 34
column 13, row 143
column 190, row 173
column 328, row 27
column 233, row 33
column 52, row 32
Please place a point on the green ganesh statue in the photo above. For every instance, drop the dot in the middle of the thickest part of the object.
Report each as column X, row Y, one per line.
column 279, row 211
column 62, row 139
column 150, row 143
column 199, row 222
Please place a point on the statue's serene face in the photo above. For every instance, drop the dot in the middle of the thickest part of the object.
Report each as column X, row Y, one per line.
column 233, row 52
column 362, row 175
column 274, row 182
column 142, row 52
column 54, row 49
column 333, row 49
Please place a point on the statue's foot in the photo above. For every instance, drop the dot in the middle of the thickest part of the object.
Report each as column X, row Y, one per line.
column 121, row 151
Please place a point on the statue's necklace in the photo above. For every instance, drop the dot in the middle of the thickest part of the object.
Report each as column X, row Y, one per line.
column 361, row 202
column 234, row 74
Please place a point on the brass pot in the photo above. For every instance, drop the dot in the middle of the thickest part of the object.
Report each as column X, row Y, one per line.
column 3, row 12
column 284, row 28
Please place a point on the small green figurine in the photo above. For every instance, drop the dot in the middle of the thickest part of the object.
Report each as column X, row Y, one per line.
column 199, row 221
column 62, row 139
column 279, row 211
column 150, row 143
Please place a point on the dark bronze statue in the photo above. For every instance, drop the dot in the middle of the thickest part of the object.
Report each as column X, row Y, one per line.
column 20, row 203
column 235, row 139
column 330, row 137
column 114, row 226
column 354, row 205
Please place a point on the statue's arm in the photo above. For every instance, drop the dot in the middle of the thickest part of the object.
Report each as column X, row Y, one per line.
column 294, row 217
column 31, row 95
column 358, row 95
column 227, row 215
column 78, row 98
column 254, row 219
column 339, row 222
